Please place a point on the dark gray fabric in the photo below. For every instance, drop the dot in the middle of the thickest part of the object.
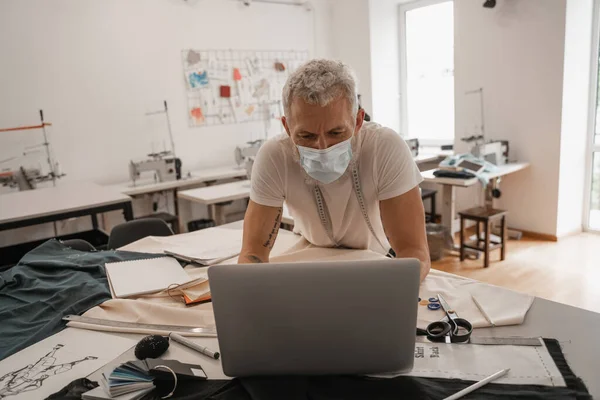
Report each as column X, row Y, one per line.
column 49, row 282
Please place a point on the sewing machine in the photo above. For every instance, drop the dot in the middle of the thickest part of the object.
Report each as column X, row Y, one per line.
column 495, row 152
column 246, row 155
column 25, row 178
column 165, row 167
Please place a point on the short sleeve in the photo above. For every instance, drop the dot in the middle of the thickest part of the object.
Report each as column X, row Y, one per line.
column 396, row 170
column 267, row 178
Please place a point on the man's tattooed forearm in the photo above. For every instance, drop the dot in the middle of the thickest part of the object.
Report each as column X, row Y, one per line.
column 255, row 259
column 273, row 234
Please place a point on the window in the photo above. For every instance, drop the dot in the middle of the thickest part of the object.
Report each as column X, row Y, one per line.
column 427, row 71
column 593, row 168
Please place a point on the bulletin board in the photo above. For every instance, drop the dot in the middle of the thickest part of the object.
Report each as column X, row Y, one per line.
column 236, row 86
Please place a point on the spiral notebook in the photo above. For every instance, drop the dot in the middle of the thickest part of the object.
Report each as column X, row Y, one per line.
column 134, row 278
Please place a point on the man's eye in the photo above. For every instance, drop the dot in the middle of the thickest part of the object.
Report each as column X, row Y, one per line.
column 336, row 133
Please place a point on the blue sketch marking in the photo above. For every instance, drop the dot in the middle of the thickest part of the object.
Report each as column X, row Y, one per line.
column 198, row 79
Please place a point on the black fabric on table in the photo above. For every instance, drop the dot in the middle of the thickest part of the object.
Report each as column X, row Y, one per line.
column 359, row 388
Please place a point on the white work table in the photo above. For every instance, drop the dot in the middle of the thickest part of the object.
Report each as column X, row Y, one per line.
column 217, row 193
column 66, row 200
column 61, row 202
column 214, row 196
column 195, row 178
column 449, row 192
column 502, row 171
column 199, row 177
column 576, row 330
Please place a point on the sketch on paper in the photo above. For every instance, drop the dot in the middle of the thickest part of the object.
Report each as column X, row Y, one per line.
column 51, row 364
column 32, row 376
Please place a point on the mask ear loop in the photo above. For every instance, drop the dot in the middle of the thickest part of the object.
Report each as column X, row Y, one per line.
column 174, row 377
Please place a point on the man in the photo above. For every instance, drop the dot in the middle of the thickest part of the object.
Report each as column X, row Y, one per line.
column 347, row 183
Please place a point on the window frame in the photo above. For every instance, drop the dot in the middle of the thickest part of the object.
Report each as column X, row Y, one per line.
column 594, row 100
column 402, row 9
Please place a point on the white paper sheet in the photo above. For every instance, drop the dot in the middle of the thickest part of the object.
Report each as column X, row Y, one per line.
column 528, row 365
column 47, row 366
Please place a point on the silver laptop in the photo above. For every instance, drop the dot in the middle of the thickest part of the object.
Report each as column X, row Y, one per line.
column 316, row 318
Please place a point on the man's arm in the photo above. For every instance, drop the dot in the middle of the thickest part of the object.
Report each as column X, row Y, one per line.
column 403, row 219
column 261, row 226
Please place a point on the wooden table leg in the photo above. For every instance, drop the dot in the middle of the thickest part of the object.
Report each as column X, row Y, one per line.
column 503, row 238
column 486, row 248
column 462, row 239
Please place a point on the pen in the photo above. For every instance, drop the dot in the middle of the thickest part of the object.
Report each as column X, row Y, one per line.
column 477, row 385
column 194, row 346
column 483, row 311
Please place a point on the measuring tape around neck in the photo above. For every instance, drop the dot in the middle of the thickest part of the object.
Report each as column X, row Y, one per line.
column 324, row 215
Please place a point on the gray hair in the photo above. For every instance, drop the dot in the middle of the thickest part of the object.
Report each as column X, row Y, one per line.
column 319, row 82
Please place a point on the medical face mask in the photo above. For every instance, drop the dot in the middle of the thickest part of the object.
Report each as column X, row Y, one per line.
column 326, row 165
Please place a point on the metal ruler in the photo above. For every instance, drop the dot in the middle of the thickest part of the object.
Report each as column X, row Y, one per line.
column 135, row 325
column 498, row 341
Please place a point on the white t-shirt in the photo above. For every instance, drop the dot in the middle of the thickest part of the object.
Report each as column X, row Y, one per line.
column 386, row 169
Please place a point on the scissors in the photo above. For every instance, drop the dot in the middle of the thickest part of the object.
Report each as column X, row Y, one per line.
column 452, row 330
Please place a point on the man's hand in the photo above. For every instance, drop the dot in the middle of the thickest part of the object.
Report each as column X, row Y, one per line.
column 403, row 219
column 261, row 226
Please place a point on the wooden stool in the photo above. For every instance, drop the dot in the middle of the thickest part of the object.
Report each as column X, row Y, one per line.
column 487, row 216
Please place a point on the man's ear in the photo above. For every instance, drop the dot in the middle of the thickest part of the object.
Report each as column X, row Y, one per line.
column 285, row 125
column 360, row 118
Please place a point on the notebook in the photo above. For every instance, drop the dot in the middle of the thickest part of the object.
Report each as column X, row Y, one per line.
column 134, row 278
column 197, row 294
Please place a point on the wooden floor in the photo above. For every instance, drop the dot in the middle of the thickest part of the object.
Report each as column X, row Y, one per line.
column 567, row 271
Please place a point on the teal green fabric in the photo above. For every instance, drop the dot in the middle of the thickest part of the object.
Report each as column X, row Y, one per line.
column 49, row 282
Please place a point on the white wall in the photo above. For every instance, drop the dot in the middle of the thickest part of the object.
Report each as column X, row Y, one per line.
column 385, row 62
column 515, row 52
column 576, row 95
column 97, row 66
column 351, row 43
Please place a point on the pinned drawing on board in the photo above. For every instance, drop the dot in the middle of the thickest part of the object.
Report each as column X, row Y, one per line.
column 237, row 75
column 279, row 66
column 261, row 89
column 193, row 57
column 198, row 79
column 197, row 115
column 225, row 91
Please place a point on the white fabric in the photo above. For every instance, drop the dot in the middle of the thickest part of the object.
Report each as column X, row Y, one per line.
column 502, row 306
column 528, row 365
column 386, row 170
